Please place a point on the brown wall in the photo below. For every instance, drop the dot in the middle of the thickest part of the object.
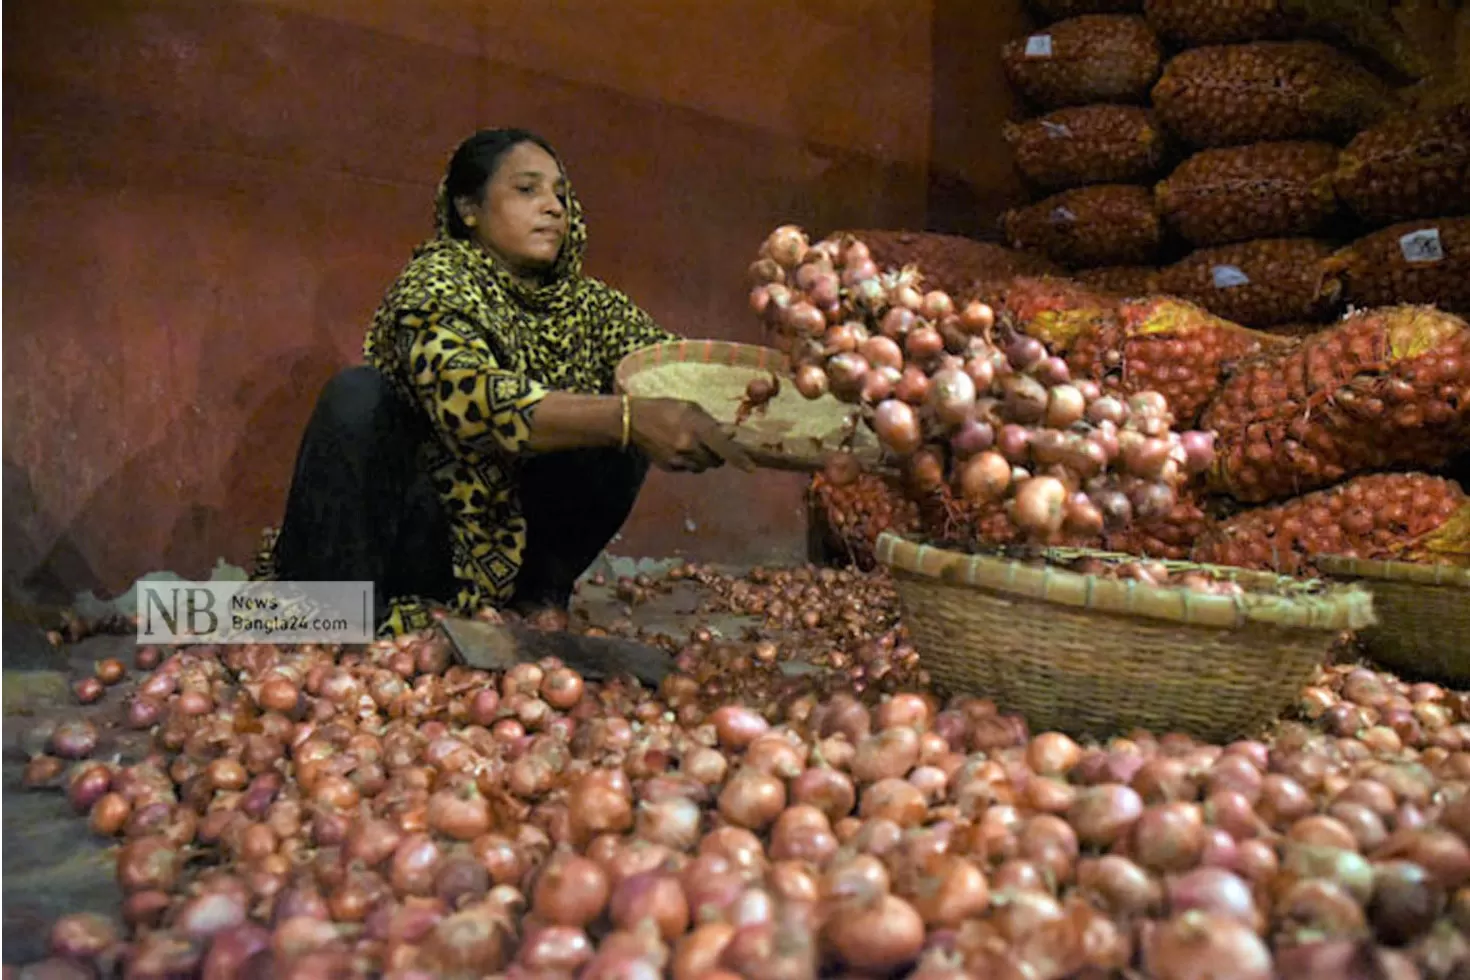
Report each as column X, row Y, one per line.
column 204, row 203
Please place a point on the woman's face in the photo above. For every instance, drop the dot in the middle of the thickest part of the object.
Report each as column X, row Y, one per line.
column 523, row 217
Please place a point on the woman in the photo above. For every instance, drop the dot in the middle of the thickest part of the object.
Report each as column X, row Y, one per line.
column 479, row 458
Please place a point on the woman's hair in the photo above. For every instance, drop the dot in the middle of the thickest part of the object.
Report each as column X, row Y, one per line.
column 474, row 163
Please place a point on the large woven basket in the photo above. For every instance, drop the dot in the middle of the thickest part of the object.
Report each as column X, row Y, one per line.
column 1096, row 656
column 1423, row 612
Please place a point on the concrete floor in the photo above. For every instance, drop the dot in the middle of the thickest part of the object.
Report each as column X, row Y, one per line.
column 53, row 865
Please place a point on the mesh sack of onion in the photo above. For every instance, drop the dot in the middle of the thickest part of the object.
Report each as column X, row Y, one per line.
column 1166, row 345
column 1082, row 60
column 1383, row 388
column 1054, row 310
column 1120, row 280
column 1411, row 165
column 1426, row 261
column 1380, row 516
column 1193, row 23
column 1265, row 190
column 1102, row 224
column 1059, row 9
column 989, row 429
column 1259, row 283
column 1231, row 95
column 952, row 263
column 1095, row 144
column 853, row 508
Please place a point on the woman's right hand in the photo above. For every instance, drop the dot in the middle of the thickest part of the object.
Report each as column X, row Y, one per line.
column 680, row 436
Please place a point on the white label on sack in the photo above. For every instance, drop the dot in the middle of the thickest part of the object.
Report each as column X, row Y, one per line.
column 1038, row 46
column 1226, row 276
column 1422, row 246
column 1059, row 130
column 1061, row 215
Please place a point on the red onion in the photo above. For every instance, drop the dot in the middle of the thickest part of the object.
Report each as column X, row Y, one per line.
column 897, row 426
column 952, row 396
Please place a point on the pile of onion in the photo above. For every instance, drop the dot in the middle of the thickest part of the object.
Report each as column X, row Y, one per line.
column 314, row 810
column 967, row 402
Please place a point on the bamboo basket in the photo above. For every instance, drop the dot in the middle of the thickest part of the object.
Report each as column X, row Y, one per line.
column 1423, row 613
column 1094, row 656
column 790, row 433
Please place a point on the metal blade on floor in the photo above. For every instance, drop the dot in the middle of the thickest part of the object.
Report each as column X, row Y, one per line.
column 496, row 646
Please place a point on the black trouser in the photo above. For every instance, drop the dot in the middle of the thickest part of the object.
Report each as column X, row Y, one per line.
column 361, row 510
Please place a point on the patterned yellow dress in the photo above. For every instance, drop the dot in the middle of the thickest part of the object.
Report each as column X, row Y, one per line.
column 477, row 350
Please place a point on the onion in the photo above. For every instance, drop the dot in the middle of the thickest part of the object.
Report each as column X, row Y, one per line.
column 879, row 936
column 1203, row 946
column 1169, row 836
column 1024, row 399
column 952, row 396
column 1199, row 451
column 977, row 318
column 882, row 351
column 1441, row 853
column 1054, row 371
column 555, row 950
column 897, row 426
column 1025, row 352
column 570, row 891
column 1105, row 813
column 1405, row 902
column 811, row 381
column 973, row 437
column 1064, row 406
column 655, row 896
column 752, row 799
column 912, row 385
column 846, row 372
column 1115, row 507
column 1082, row 516
column 88, row 784
column 923, row 343
column 1039, row 506
column 1216, row 891
column 148, row 864
column 1152, row 501
column 738, row 726
column 73, row 740
column 981, row 371
column 786, row 245
column 1118, row 885
column 88, row 690
column 1144, row 457
column 206, row 914
column 82, row 937
column 1014, row 443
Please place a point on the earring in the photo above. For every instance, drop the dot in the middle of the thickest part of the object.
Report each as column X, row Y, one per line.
column 469, row 222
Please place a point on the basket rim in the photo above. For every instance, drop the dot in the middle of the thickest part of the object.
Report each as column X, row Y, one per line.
column 728, row 353
column 1343, row 606
column 1384, row 570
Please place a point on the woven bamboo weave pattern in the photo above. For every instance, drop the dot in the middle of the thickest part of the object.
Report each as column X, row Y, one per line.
column 791, row 432
column 1094, row 656
column 1423, row 615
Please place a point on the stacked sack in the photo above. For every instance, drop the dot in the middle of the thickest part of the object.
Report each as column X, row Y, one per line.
column 1265, row 114
column 1409, row 177
column 1333, row 436
column 1092, row 148
column 957, row 265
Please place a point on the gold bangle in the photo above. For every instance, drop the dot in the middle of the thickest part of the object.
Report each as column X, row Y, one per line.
column 627, row 422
